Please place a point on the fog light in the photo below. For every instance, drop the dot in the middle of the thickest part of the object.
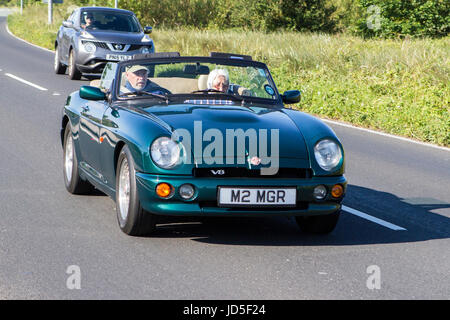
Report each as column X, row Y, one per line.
column 186, row 191
column 320, row 192
column 164, row 190
column 337, row 191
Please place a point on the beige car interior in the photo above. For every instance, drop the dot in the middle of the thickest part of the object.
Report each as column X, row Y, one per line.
column 173, row 84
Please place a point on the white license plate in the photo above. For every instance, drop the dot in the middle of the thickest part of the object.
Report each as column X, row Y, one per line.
column 118, row 57
column 229, row 196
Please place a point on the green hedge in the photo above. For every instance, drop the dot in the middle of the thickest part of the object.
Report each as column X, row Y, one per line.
column 271, row 15
column 399, row 18
column 399, row 86
column 367, row 18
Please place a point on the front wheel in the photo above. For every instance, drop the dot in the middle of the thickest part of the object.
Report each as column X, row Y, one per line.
column 318, row 224
column 74, row 184
column 132, row 218
column 74, row 73
column 58, row 66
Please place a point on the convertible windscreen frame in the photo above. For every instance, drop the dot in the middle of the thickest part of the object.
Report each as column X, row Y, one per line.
column 196, row 59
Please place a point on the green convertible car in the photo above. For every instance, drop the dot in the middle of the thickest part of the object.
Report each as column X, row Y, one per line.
column 164, row 134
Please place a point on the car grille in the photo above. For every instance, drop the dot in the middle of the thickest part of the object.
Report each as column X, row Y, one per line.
column 118, row 46
column 104, row 45
column 293, row 173
column 134, row 47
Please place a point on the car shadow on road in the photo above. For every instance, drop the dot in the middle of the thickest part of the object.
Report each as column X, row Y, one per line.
column 415, row 215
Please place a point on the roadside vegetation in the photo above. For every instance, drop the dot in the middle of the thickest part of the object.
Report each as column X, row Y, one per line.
column 396, row 84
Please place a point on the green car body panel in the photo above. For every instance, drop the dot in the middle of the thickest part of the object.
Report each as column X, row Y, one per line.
column 100, row 129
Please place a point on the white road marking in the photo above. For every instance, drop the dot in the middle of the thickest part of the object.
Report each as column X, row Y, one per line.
column 25, row 81
column 373, row 219
column 342, row 124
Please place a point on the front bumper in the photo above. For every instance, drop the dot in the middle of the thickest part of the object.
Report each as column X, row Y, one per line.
column 205, row 201
column 93, row 66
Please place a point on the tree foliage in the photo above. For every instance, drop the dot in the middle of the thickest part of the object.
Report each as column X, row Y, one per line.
column 270, row 15
column 392, row 18
column 368, row 18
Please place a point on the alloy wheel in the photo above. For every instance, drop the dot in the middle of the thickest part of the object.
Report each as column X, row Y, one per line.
column 124, row 189
column 68, row 159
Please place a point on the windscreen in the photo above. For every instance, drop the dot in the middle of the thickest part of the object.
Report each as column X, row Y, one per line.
column 196, row 78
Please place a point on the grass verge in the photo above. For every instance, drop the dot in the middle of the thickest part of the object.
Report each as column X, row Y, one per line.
column 400, row 87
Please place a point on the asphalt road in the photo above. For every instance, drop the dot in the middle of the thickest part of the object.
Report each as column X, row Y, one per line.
column 44, row 230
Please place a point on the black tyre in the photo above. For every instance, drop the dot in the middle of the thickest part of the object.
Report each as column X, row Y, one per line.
column 74, row 73
column 58, row 66
column 318, row 224
column 132, row 218
column 74, row 184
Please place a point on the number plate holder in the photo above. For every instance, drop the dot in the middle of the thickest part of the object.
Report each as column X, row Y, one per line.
column 118, row 57
column 254, row 197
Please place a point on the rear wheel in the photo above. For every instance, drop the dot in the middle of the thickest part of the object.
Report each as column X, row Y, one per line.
column 318, row 224
column 58, row 66
column 74, row 73
column 74, row 184
column 132, row 218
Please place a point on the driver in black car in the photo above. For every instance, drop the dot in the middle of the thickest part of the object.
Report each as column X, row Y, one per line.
column 137, row 81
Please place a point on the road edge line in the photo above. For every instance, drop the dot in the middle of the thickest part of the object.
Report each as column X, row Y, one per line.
column 373, row 219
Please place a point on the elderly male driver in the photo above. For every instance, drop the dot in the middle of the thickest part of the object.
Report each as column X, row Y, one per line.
column 137, row 81
column 219, row 79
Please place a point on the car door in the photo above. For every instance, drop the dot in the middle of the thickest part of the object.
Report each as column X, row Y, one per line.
column 91, row 116
column 91, row 128
column 67, row 36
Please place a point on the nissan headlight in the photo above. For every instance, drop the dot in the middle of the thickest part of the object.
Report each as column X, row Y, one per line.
column 328, row 154
column 165, row 152
column 89, row 47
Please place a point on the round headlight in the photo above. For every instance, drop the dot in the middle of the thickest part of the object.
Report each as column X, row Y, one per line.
column 89, row 47
column 165, row 152
column 328, row 154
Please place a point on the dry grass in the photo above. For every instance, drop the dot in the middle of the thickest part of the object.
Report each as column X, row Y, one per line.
column 397, row 86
